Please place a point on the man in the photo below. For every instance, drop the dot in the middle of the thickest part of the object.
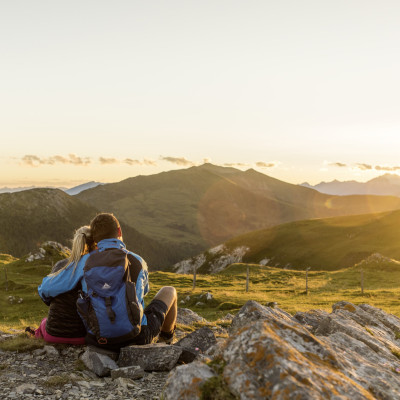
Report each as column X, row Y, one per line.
column 159, row 317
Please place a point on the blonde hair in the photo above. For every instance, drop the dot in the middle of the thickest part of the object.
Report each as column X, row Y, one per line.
column 82, row 243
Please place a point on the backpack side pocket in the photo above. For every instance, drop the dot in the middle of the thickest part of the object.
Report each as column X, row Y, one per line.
column 135, row 311
column 88, row 315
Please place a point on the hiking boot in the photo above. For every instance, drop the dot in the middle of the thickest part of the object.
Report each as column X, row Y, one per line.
column 166, row 337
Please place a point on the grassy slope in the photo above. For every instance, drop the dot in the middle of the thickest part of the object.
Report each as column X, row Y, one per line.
column 381, row 284
column 31, row 217
column 323, row 244
column 202, row 206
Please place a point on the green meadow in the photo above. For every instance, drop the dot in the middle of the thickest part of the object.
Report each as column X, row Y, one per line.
column 381, row 278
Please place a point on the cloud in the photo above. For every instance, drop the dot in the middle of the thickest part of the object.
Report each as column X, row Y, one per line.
column 130, row 161
column 364, row 167
column 206, row 160
column 385, row 168
column 261, row 164
column 35, row 161
column 108, row 161
column 337, row 164
column 240, row 165
column 149, row 162
column 178, row 161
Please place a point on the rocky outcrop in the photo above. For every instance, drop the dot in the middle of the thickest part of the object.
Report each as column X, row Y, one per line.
column 212, row 261
column 352, row 352
column 47, row 249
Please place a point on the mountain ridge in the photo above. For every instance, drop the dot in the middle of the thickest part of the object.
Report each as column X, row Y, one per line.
column 202, row 206
column 34, row 216
column 384, row 185
column 322, row 244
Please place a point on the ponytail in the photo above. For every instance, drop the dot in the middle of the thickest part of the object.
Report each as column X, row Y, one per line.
column 82, row 243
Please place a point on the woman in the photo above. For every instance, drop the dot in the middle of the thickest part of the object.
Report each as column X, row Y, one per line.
column 60, row 290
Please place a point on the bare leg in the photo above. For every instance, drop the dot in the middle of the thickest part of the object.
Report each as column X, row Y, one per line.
column 167, row 295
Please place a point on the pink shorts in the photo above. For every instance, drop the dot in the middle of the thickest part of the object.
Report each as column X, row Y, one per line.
column 41, row 333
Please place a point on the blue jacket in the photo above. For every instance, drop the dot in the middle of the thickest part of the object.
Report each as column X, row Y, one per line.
column 68, row 280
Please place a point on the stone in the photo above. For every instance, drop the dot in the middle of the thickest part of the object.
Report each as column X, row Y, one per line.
column 253, row 311
column 51, row 351
column 188, row 355
column 188, row 317
column 100, row 364
column 131, row 372
column 311, row 319
column 151, row 357
column 275, row 358
column 26, row 388
column 201, row 339
column 184, row 382
column 112, row 354
column 228, row 317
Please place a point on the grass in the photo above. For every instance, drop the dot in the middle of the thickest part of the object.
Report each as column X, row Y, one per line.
column 21, row 344
column 267, row 284
column 57, row 381
column 322, row 244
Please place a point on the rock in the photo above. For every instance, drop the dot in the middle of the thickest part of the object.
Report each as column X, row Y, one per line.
column 125, row 383
column 200, row 304
column 51, row 351
column 100, row 364
column 202, row 339
column 207, row 296
column 26, row 388
column 151, row 357
column 188, row 317
column 131, row 372
column 311, row 319
column 185, row 381
column 275, row 358
column 253, row 311
column 228, row 317
column 112, row 354
column 188, row 355
column 39, row 352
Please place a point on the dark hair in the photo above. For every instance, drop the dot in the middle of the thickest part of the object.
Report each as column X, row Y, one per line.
column 104, row 226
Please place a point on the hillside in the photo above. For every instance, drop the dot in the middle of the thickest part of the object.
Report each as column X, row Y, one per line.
column 387, row 185
column 34, row 216
column 199, row 207
column 322, row 244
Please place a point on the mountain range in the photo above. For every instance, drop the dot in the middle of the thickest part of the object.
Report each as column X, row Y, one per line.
column 386, row 185
column 173, row 215
column 71, row 191
column 199, row 207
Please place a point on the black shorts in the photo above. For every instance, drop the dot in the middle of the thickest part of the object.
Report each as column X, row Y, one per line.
column 155, row 313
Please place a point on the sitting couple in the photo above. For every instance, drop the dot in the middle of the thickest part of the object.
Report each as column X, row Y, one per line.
column 84, row 306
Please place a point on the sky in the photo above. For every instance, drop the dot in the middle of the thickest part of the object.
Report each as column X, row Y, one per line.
column 99, row 90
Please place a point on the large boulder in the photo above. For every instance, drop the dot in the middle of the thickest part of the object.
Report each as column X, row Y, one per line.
column 151, row 357
column 352, row 352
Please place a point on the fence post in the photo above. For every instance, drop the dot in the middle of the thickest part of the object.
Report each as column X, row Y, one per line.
column 5, row 274
column 307, row 269
column 362, row 281
column 194, row 277
column 247, row 278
